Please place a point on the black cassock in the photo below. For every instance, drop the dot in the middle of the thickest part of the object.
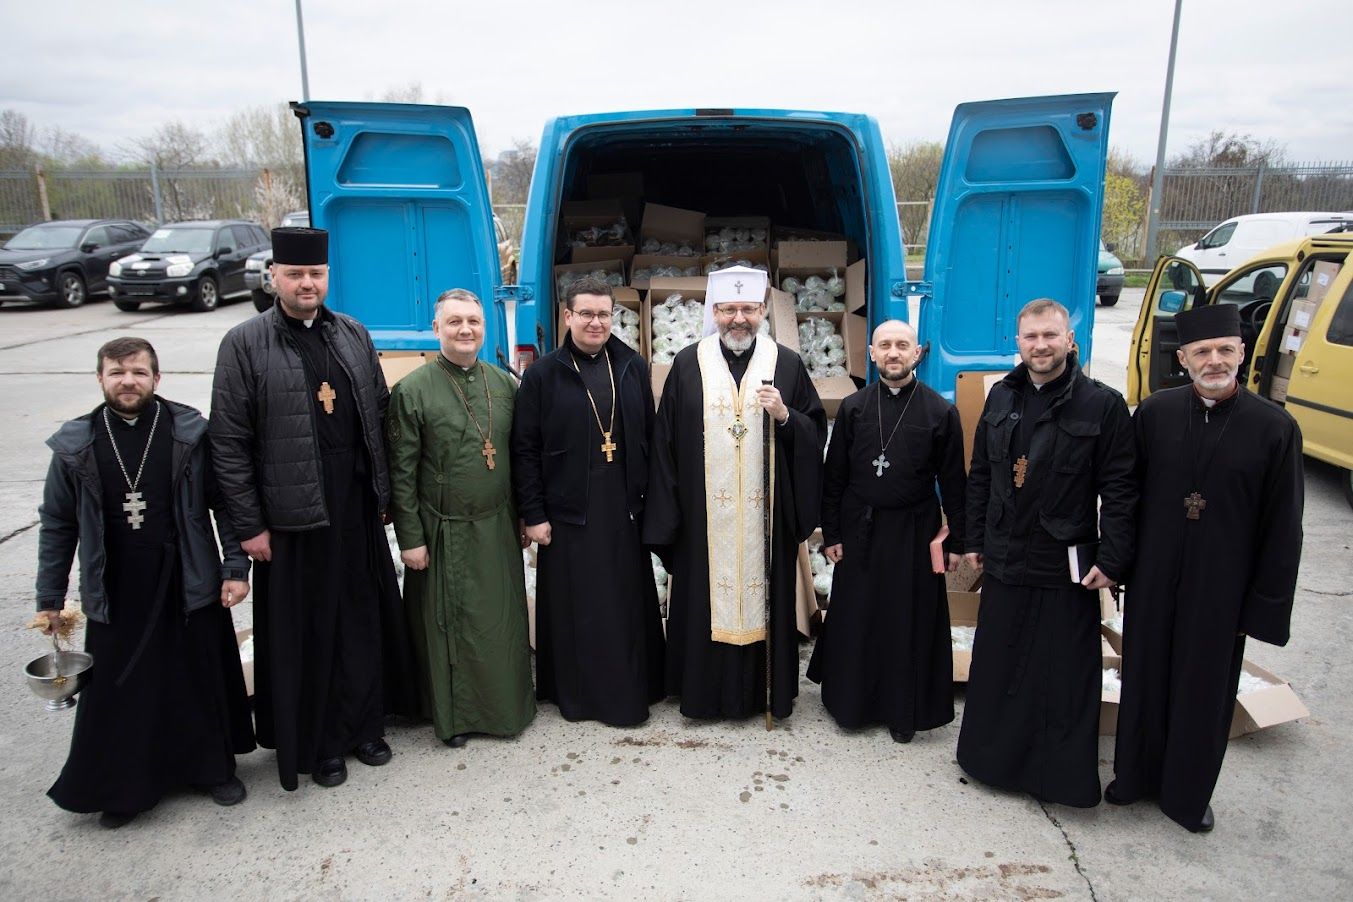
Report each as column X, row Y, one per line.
column 328, row 601
column 1198, row 583
column 885, row 653
column 180, row 714
column 599, row 644
column 715, row 679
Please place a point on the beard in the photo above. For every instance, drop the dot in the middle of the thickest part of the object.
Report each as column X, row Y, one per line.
column 735, row 340
column 1214, row 381
column 1044, row 364
column 129, row 408
column 897, row 372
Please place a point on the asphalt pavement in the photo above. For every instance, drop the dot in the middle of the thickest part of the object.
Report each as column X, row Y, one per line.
column 674, row 808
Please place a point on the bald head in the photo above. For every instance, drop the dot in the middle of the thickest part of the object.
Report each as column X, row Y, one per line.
column 895, row 351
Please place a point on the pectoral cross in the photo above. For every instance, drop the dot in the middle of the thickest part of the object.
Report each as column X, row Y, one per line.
column 134, row 507
column 1195, row 504
column 881, row 463
column 739, row 430
column 608, row 447
column 326, row 395
column 488, row 453
column 1021, row 469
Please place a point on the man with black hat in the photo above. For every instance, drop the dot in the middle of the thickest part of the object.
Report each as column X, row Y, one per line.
column 296, row 428
column 1052, row 468
column 1219, row 541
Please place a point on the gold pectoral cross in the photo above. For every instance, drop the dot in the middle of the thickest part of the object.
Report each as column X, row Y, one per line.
column 1021, row 469
column 326, row 395
column 1194, row 505
column 608, row 447
column 488, row 453
column 135, row 508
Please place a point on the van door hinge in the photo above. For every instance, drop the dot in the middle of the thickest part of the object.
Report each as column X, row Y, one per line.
column 909, row 288
column 513, row 292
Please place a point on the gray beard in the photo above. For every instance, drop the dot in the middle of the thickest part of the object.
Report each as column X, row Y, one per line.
column 736, row 345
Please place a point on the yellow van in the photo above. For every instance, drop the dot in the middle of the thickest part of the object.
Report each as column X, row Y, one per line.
column 1296, row 313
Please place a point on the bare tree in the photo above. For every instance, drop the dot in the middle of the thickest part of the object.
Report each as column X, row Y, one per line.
column 174, row 145
column 1229, row 149
column 18, row 138
column 267, row 136
column 511, row 172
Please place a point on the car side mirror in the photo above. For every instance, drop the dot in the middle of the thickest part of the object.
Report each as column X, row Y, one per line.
column 222, row 251
column 1198, row 246
column 89, row 247
column 1111, row 247
column 1172, row 301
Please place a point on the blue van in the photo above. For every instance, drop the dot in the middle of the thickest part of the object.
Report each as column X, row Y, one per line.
column 1016, row 216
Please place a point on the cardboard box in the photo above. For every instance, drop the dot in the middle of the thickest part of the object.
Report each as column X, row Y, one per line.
column 624, row 297
column 649, row 261
column 1277, row 390
column 1322, row 277
column 398, row 364
column 832, row 390
column 672, row 224
column 627, row 186
column 1268, row 707
column 963, row 608
column 784, row 323
column 812, row 256
column 577, row 215
column 970, row 396
column 658, row 291
column 808, row 610
column 783, row 234
column 855, row 331
column 614, row 265
column 711, row 262
column 1109, row 699
column 241, row 636
column 622, row 252
column 716, row 224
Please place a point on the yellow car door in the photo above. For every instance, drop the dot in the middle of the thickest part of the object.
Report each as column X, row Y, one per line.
column 1175, row 285
column 1320, row 384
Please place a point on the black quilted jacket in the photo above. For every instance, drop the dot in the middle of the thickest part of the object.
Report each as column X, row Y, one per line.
column 263, row 426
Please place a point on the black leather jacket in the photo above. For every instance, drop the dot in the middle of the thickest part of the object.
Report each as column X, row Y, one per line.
column 1081, row 451
column 71, row 515
column 263, row 421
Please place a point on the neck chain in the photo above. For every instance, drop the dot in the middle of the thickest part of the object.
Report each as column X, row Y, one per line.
column 132, row 503
column 881, row 462
column 488, row 451
column 1195, row 502
column 608, row 447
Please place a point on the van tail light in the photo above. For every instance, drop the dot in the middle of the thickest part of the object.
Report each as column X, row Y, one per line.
column 525, row 356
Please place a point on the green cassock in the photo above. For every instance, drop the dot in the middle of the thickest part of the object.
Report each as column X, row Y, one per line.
column 467, row 611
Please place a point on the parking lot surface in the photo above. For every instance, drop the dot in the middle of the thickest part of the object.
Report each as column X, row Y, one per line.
column 671, row 809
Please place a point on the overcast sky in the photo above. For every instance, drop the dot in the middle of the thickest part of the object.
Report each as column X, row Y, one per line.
column 114, row 71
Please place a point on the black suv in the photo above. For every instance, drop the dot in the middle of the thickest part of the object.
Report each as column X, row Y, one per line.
column 193, row 263
column 63, row 262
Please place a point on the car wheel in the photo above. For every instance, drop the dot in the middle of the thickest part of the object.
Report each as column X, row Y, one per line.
column 208, row 295
column 72, row 287
column 262, row 300
column 127, row 306
column 1108, row 300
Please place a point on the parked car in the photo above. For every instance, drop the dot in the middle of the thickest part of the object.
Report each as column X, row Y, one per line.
column 1109, row 281
column 1241, row 237
column 1296, row 310
column 65, row 261
column 257, row 277
column 193, row 263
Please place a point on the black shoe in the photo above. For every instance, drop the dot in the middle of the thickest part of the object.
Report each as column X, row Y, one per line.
column 903, row 736
column 1206, row 824
column 114, row 819
column 373, row 753
column 1111, row 795
column 330, row 772
column 457, row 740
column 231, row 792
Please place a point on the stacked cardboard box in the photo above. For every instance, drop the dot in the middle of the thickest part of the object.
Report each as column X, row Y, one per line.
column 1299, row 319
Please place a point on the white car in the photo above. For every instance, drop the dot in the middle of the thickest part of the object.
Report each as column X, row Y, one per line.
column 1241, row 237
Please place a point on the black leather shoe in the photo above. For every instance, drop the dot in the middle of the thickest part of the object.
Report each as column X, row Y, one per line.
column 1111, row 795
column 1206, row 824
column 457, row 740
column 330, row 772
column 374, row 753
column 114, row 819
column 902, row 736
column 231, row 792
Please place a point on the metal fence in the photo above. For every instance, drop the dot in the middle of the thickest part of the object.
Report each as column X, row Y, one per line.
column 1195, row 200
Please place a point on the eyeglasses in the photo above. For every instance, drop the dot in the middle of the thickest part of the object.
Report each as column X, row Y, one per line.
column 587, row 316
column 732, row 311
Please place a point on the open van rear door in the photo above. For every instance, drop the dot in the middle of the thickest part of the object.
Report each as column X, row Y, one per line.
column 400, row 187
column 1016, row 217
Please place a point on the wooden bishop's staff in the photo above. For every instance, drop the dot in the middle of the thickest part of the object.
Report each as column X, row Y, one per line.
column 767, row 433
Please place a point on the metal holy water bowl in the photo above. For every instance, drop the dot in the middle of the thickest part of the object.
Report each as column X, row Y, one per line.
column 57, row 676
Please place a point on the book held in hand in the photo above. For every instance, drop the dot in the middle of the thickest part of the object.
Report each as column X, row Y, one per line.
column 1081, row 558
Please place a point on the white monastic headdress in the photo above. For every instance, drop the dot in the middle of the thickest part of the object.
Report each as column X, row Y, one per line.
column 732, row 285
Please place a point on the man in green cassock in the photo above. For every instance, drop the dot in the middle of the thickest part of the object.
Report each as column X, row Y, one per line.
column 451, row 500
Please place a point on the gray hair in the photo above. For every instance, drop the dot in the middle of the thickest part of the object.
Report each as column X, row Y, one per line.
column 455, row 294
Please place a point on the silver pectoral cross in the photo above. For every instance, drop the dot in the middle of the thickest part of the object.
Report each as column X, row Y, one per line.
column 881, row 463
column 134, row 507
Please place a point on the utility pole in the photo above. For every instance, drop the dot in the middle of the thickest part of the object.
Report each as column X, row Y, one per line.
column 1158, row 174
column 305, row 77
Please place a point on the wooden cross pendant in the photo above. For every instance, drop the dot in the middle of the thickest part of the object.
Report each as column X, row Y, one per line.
column 608, row 447
column 1194, row 505
column 134, row 507
column 326, row 395
column 1021, row 470
column 488, row 453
